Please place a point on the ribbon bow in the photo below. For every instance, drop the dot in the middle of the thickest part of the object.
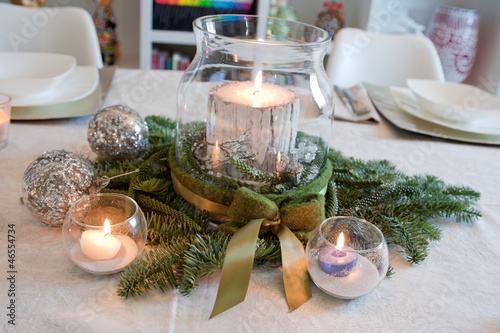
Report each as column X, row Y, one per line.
column 300, row 210
column 240, row 254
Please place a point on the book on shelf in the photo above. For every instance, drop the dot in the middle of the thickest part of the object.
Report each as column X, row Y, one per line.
column 170, row 61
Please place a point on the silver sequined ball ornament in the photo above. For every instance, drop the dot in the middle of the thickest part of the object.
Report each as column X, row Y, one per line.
column 53, row 181
column 118, row 132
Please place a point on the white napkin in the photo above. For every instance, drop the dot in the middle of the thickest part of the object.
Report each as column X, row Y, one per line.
column 359, row 91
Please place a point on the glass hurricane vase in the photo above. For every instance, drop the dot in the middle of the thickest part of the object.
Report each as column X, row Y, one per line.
column 255, row 105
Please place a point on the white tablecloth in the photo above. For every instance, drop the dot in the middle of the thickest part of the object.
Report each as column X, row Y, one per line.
column 456, row 289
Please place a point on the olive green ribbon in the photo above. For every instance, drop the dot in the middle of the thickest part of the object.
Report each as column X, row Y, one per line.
column 239, row 260
column 240, row 252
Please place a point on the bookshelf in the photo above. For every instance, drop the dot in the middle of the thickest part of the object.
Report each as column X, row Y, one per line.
column 171, row 39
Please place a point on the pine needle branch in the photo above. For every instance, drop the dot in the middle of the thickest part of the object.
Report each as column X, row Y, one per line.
column 251, row 173
column 331, row 200
column 153, row 270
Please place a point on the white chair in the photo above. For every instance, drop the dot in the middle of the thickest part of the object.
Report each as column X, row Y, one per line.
column 360, row 56
column 66, row 30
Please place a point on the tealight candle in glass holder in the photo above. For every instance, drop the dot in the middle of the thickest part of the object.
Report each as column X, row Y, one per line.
column 104, row 233
column 347, row 257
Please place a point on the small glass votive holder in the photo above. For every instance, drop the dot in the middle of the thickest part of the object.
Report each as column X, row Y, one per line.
column 5, row 110
column 347, row 257
column 104, row 233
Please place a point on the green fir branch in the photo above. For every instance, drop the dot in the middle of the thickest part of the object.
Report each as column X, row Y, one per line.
column 202, row 257
column 331, row 200
column 150, row 204
column 153, row 270
column 153, row 185
column 250, row 172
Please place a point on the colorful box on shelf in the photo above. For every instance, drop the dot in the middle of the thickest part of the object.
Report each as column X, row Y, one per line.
column 240, row 4
column 178, row 15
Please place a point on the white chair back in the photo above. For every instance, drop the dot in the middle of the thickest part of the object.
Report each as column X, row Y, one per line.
column 360, row 56
column 65, row 30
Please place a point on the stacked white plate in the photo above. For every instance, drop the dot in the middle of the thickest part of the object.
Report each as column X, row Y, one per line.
column 401, row 107
column 450, row 105
column 47, row 85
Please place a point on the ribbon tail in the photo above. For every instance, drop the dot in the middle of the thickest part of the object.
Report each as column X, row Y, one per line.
column 237, row 267
column 295, row 276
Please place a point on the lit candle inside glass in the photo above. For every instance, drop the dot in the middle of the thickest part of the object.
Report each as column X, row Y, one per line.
column 337, row 260
column 268, row 115
column 100, row 244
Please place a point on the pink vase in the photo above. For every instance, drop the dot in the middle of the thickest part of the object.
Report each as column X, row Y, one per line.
column 454, row 32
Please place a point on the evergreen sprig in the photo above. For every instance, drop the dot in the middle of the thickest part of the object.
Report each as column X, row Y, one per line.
column 153, row 270
column 185, row 245
column 250, row 172
column 403, row 207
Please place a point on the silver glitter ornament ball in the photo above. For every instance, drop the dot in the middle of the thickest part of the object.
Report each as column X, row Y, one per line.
column 53, row 181
column 117, row 133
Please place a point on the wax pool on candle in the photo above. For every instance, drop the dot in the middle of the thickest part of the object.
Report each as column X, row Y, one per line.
column 244, row 93
column 100, row 244
column 337, row 260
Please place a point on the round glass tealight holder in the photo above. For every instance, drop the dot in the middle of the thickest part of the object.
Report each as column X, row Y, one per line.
column 104, row 233
column 351, row 269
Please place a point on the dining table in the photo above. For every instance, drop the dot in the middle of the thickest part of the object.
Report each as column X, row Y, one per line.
column 455, row 289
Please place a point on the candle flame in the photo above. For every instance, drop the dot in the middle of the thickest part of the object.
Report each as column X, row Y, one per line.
column 279, row 157
column 340, row 241
column 258, row 83
column 107, row 228
column 256, row 89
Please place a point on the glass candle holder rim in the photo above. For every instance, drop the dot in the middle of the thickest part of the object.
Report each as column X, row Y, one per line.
column 326, row 39
column 98, row 227
column 371, row 249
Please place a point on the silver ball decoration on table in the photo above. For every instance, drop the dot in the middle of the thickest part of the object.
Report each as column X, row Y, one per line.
column 117, row 132
column 54, row 180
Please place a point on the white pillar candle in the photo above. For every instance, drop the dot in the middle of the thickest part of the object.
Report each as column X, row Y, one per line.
column 268, row 113
column 100, row 244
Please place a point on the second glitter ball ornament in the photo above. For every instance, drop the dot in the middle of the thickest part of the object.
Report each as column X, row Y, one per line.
column 117, row 132
column 56, row 179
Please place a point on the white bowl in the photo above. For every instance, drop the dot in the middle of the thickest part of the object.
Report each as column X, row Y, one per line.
column 32, row 73
column 455, row 102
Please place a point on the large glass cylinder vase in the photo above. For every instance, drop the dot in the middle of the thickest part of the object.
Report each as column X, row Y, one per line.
column 255, row 105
